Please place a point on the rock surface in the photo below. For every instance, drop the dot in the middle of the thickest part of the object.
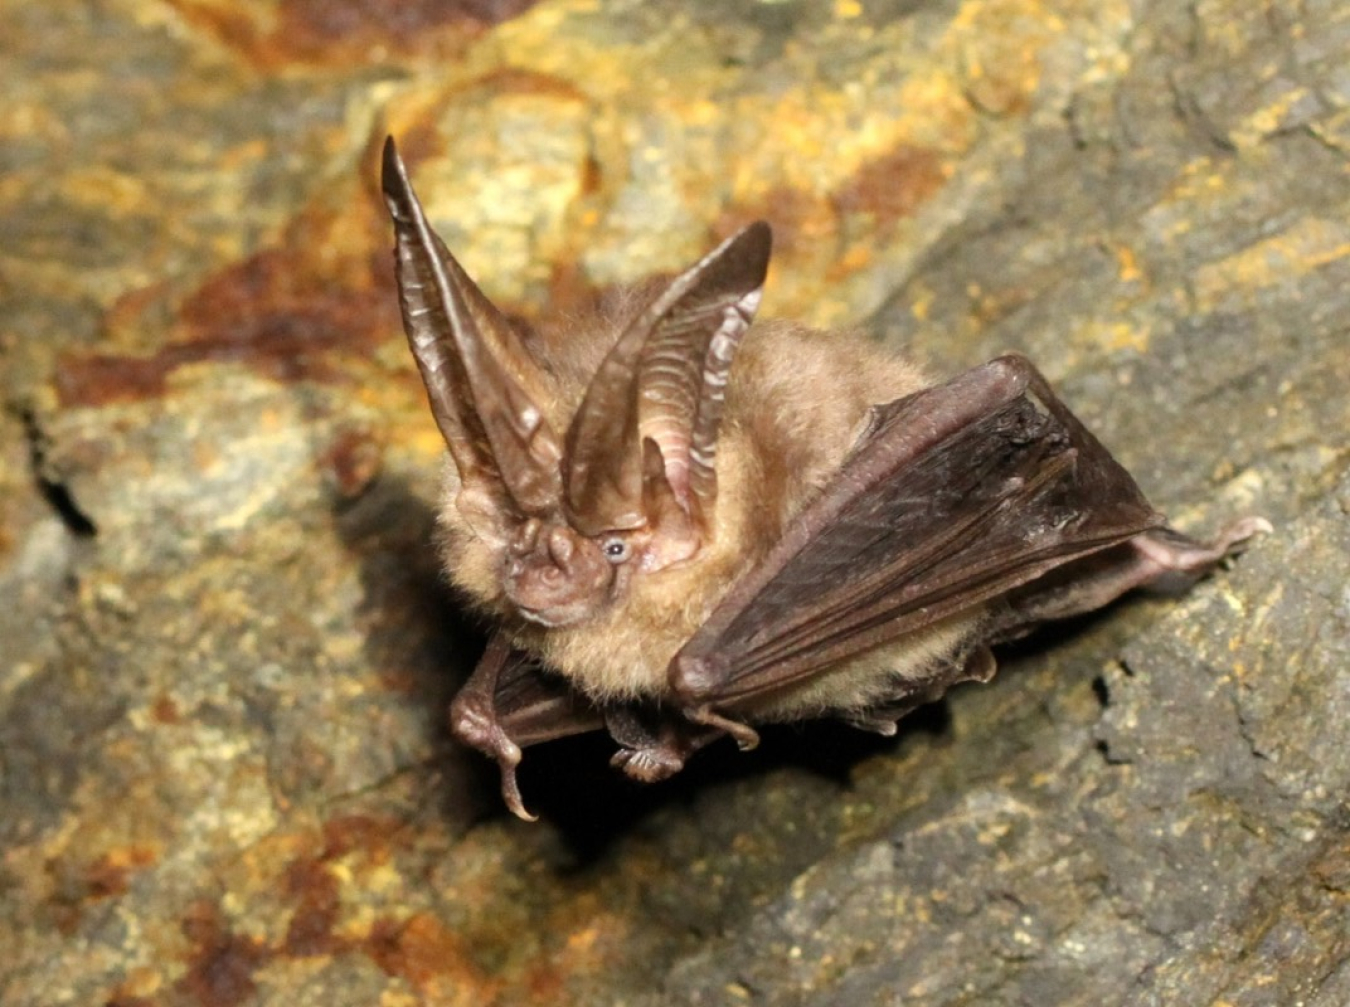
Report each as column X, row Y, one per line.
column 225, row 653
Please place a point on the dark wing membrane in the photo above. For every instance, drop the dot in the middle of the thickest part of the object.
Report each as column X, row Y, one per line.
column 534, row 705
column 959, row 493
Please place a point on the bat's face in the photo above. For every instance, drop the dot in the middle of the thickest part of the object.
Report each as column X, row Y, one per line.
column 556, row 577
column 628, row 489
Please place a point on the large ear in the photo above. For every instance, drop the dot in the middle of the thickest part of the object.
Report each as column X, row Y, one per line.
column 484, row 387
column 665, row 381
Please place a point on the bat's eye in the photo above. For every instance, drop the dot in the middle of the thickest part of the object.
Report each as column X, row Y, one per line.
column 616, row 550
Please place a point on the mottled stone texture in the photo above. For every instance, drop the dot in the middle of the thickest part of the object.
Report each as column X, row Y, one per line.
column 224, row 648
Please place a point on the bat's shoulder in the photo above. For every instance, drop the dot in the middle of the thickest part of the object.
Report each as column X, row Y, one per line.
column 819, row 371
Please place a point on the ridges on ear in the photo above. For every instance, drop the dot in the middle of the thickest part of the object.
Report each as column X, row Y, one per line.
column 484, row 387
column 664, row 384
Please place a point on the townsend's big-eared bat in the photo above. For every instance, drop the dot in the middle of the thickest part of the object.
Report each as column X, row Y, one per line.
column 674, row 548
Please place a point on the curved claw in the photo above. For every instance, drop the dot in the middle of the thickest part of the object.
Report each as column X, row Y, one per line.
column 511, row 790
column 477, row 727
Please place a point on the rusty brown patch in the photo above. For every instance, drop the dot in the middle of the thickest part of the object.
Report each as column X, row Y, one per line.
column 546, row 983
column 102, row 378
column 220, row 970
column 136, row 989
column 791, row 213
column 107, row 876
column 338, row 31
column 333, row 21
column 269, row 304
column 518, row 80
column 315, row 889
column 263, row 313
column 310, row 931
column 592, row 177
column 133, row 310
column 352, row 462
column 231, row 25
column 368, row 834
column 165, row 711
column 892, row 186
column 75, row 884
column 382, row 944
column 106, row 879
column 419, row 949
column 425, row 953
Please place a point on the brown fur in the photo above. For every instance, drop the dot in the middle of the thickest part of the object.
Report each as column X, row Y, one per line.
column 796, row 403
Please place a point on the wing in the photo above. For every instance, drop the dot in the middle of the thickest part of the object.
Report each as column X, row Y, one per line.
column 956, row 495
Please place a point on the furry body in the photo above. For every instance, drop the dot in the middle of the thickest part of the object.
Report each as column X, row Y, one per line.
column 797, row 401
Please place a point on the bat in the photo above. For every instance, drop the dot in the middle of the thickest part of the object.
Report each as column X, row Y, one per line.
column 673, row 550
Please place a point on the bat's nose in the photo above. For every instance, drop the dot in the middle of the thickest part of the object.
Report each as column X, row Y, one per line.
column 561, row 548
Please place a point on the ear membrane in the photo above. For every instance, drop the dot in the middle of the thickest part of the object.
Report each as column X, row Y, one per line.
column 485, row 388
column 676, row 535
column 664, row 381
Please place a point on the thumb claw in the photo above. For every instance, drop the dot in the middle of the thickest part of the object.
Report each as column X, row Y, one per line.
column 511, row 793
column 476, row 725
column 1239, row 532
